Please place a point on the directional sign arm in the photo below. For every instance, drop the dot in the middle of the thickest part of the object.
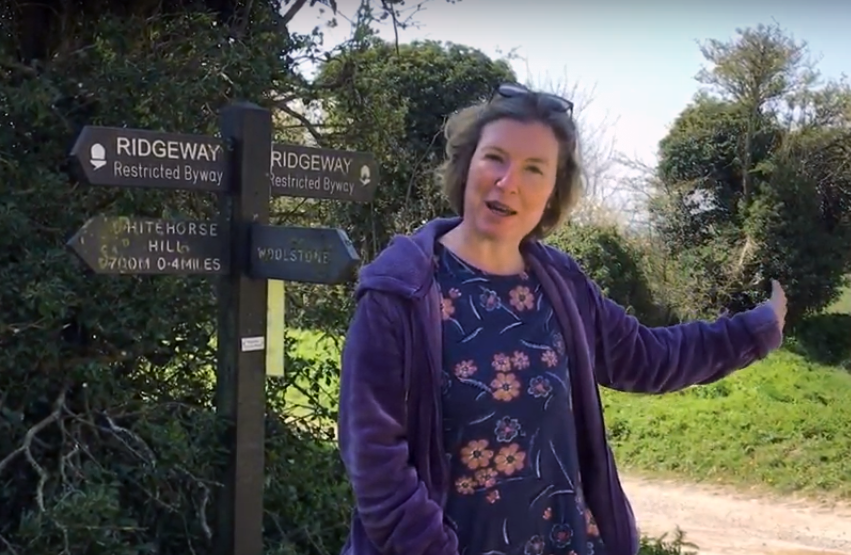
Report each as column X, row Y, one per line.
column 122, row 157
column 301, row 254
column 142, row 158
column 148, row 246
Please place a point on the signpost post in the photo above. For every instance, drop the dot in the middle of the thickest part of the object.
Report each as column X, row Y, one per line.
column 241, row 373
column 241, row 248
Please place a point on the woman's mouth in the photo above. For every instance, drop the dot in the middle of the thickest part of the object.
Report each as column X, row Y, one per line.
column 499, row 208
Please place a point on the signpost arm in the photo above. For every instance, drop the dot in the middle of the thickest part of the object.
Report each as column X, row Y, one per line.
column 241, row 373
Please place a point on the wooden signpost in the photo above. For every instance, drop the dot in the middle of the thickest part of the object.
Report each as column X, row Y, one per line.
column 241, row 248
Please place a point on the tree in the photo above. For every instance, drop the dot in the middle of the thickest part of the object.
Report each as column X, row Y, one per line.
column 756, row 72
column 753, row 184
column 701, row 168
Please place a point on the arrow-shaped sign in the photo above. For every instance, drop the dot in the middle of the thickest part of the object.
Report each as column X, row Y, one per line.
column 142, row 158
column 122, row 245
column 304, row 254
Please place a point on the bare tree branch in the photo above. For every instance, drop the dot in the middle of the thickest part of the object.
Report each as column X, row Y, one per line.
column 388, row 8
column 291, row 13
column 240, row 28
column 302, row 119
column 596, row 146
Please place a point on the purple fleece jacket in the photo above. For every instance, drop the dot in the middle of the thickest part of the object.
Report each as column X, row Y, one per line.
column 390, row 423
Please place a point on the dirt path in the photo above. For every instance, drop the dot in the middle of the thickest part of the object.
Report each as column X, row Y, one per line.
column 723, row 522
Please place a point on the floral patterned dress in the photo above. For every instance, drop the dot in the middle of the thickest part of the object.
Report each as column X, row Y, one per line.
column 508, row 420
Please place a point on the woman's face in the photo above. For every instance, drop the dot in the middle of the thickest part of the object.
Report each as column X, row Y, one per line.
column 511, row 178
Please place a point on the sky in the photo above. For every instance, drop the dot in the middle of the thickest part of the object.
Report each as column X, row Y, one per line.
column 634, row 66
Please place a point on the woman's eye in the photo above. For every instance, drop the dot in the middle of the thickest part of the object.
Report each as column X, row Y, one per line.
column 494, row 157
column 535, row 169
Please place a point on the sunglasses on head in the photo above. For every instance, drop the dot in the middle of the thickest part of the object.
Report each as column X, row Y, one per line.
column 551, row 101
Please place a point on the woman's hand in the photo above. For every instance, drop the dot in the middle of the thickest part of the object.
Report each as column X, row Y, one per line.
column 778, row 303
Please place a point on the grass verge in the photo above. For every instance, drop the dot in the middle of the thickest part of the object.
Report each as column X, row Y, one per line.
column 782, row 423
column 842, row 305
column 313, row 386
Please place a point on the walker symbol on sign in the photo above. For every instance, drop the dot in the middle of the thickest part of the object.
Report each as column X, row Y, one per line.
column 364, row 175
column 98, row 156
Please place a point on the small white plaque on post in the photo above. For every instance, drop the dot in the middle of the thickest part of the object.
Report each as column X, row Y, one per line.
column 253, row 343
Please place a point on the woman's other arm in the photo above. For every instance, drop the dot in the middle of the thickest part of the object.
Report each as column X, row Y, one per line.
column 636, row 358
column 393, row 504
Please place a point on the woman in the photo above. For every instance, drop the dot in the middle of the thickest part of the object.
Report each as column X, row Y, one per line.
column 470, row 420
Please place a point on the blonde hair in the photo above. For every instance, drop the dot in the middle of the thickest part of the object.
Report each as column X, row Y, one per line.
column 463, row 131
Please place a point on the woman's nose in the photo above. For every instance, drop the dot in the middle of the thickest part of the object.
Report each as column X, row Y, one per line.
column 509, row 179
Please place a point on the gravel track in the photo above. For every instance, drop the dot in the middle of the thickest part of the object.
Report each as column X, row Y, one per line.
column 722, row 521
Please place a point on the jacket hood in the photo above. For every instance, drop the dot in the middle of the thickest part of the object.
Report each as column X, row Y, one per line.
column 406, row 266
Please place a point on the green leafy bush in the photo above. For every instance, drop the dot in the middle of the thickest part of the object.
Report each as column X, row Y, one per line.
column 824, row 338
column 615, row 264
column 109, row 442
